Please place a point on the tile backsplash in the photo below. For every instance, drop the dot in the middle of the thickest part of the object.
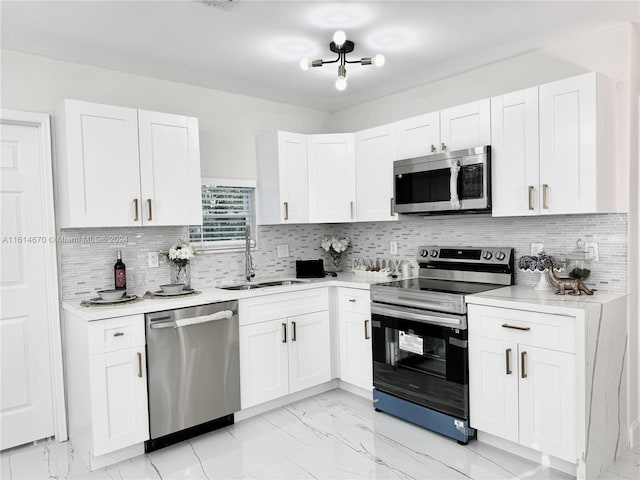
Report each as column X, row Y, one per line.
column 87, row 255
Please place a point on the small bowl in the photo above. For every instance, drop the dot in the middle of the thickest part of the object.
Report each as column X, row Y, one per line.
column 111, row 295
column 172, row 288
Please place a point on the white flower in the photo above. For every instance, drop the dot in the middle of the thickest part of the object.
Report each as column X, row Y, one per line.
column 326, row 244
column 335, row 244
column 180, row 251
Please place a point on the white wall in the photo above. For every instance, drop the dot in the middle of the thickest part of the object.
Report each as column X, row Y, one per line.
column 229, row 122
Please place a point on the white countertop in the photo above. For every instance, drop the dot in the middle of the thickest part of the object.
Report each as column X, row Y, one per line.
column 212, row 295
column 526, row 298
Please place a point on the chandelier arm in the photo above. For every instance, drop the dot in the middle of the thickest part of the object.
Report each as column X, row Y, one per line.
column 331, row 61
column 355, row 61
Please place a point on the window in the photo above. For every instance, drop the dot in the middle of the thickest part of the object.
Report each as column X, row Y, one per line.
column 228, row 207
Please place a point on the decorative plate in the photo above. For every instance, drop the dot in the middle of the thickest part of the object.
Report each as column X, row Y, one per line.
column 100, row 301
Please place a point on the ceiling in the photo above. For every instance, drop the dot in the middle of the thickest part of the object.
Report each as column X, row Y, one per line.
column 254, row 47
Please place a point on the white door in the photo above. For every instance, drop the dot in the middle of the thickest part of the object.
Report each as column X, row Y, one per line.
column 99, row 153
column 547, row 401
column 309, row 350
column 376, row 150
column 169, row 169
column 514, row 154
column 568, row 145
column 119, row 399
column 294, row 187
column 332, row 183
column 466, row 126
column 356, row 364
column 28, row 283
column 263, row 362
column 418, row 136
column 493, row 387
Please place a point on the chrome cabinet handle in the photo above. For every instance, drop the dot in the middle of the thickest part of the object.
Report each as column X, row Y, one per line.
column 150, row 211
column 391, row 212
column 366, row 330
column 523, row 361
column 351, row 208
column 444, row 147
column 433, row 148
column 139, row 364
column 118, row 334
column 352, row 300
column 286, row 210
column 284, row 333
column 545, row 189
column 516, row 327
column 135, row 205
column 507, row 360
column 530, row 197
column 293, row 337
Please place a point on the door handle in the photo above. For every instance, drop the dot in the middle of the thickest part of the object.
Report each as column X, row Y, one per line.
column 351, row 208
column 366, row 330
column 139, row 364
column 530, row 197
column 433, row 148
column 444, row 147
column 118, row 334
column 516, row 327
column 507, row 360
column 523, row 361
column 135, row 206
column 284, row 333
column 391, row 212
column 150, row 211
column 286, row 210
column 545, row 189
column 293, row 337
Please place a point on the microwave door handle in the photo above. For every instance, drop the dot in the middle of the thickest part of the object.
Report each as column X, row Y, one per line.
column 453, row 185
column 412, row 315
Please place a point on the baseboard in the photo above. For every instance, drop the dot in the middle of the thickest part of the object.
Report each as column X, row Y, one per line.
column 361, row 392
column 634, row 435
column 94, row 463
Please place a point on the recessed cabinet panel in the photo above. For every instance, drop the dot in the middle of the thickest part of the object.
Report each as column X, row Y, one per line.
column 466, row 126
column 309, row 350
column 418, row 136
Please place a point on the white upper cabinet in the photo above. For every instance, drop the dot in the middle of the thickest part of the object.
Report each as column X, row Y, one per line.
column 418, row 136
column 577, row 149
column 120, row 166
column 375, row 153
column 283, row 191
column 514, row 154
column 332, row 183
column 169, row 169
column 465, row 126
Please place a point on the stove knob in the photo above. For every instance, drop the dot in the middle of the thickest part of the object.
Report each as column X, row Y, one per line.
column 487, row 255
column 434, row 253
column 424, row 253
column 500, row 256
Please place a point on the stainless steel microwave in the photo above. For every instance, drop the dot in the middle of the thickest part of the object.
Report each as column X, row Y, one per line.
column 449, row 182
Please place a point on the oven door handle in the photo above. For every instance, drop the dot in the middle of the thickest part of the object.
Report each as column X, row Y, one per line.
column 413, row 314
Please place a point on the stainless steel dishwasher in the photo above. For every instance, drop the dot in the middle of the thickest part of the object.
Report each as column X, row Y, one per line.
column 193, row 365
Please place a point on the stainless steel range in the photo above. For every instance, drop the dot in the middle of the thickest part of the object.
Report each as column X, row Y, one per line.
column 419, row 334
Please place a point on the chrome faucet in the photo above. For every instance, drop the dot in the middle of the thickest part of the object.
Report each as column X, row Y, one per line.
column 249, row 269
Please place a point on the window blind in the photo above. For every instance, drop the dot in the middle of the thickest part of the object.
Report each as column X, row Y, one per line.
column 226, row 212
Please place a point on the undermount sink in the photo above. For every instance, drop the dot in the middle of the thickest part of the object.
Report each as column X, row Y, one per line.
column 251, row 286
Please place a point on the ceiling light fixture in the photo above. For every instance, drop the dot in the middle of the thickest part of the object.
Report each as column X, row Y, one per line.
column 342, row 46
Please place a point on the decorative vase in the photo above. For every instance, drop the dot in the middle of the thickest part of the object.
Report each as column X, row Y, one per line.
column 336, row 259
column 181, row 272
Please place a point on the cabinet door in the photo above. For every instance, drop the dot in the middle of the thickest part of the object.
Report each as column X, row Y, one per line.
column 294, row 187
column 418, row 136
column 375, row 153
column 119, row 407
column 309, row 350
column 466, row 126
column 493, row 387
column 547, row 401
column 98, row 165
column 169, row 169
column 356, row 364
column 263, row 362
column 332, row 183
column 568, row 145
column 514, row 154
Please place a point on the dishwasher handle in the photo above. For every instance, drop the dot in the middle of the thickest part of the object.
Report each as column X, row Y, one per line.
column 184, row 322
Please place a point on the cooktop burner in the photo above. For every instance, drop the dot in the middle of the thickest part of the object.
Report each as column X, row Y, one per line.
column 444, row 286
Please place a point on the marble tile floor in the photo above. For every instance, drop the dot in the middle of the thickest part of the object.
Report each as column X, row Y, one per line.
column 334, row 435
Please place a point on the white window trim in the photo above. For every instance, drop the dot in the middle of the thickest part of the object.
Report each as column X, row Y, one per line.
column 230, row 245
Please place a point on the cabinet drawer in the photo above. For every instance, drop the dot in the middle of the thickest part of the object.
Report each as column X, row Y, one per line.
column 116, row 334
column 282, row 305
column 555, row 332
column 354, row 300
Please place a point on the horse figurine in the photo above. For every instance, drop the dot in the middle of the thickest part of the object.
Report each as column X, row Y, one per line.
column 563, row 283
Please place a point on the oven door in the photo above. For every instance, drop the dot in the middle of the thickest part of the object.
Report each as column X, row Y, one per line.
column 421, row 356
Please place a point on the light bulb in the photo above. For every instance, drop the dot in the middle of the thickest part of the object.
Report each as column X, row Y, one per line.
column 339, row 38
column 379, row 60
column 341, row 83
column 305, row 63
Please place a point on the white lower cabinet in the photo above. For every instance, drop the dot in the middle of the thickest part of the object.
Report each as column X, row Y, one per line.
column 106, row 378
column 285, row 344
column 522, row 386
column 354, row 318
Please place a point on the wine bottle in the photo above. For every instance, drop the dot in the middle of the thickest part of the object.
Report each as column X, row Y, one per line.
column 120, row 273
